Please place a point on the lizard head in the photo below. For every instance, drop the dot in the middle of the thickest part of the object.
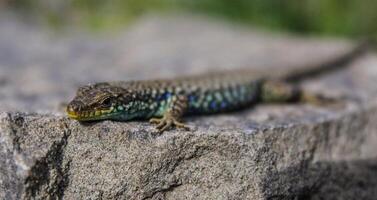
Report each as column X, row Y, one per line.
column 98, row 101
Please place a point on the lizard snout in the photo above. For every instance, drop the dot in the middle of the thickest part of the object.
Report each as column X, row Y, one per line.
column 74, row 108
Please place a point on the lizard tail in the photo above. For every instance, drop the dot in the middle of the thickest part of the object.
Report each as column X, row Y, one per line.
column 334, row 64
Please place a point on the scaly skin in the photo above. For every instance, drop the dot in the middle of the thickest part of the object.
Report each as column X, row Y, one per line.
column 165, row 101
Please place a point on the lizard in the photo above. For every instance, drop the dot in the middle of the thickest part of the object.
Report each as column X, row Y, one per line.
column 165, row 102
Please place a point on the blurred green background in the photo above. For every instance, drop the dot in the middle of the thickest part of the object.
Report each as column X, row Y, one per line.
column 346, row 18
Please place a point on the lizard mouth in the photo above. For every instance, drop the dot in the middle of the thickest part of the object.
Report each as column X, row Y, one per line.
column 88, row 115
column 72, row 114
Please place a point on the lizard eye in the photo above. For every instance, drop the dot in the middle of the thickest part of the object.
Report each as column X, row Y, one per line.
column 106, row 102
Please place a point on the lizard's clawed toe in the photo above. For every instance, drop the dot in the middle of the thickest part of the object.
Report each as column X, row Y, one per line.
column 165, row 123
column 155, row 120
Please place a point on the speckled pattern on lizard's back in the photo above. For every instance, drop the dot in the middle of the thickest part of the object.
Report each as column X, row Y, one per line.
column 170, row 99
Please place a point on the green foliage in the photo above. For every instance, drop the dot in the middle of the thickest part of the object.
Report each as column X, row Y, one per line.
column 336, row 17
column 353, row 18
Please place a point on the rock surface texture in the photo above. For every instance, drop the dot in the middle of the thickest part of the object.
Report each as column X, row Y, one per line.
column 266, row 152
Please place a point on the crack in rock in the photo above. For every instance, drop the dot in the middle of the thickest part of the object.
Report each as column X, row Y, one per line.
column 50, row 173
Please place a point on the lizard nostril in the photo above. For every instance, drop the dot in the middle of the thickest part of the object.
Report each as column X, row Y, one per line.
column 70, row 108
column 74, row 106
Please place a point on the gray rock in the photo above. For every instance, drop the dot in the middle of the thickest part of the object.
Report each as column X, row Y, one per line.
column 265, row 152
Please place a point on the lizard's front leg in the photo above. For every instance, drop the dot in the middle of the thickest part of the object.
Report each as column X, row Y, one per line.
column 173, row 114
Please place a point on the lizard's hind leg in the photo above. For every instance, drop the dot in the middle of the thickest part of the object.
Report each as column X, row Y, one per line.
column 280, row 92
